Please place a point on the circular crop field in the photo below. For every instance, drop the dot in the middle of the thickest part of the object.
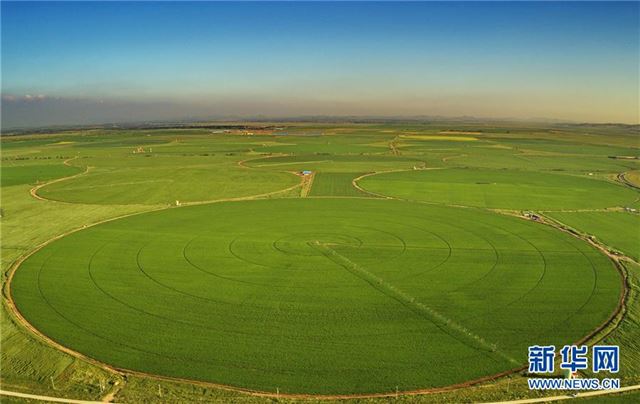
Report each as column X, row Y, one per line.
column 162, row 184
column 323, row 296
column 506, row 189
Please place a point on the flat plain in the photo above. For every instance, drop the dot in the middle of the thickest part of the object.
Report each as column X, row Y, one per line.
column 400, row 263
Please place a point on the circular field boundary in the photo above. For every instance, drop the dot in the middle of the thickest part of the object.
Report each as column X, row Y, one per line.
column 34, row 190
column 621, row 181
column 613, row 319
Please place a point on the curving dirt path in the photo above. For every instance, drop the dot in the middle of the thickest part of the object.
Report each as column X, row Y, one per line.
column 354, row 181
column 522, row 401
column 307, row 183
column 242, row 163
column 244, row 198
column 457, row 156
column 44, row 398
column 621, row 178
column 569, row 396
column 34, row 191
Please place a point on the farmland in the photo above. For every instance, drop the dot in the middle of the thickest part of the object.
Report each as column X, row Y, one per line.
column 619, row 230
column 335, row 184
column 500, row 189
column 408, row 252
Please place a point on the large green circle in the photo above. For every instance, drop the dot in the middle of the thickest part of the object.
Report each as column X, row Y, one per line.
column 503, row 189
column 317, row 295
column 167, row 183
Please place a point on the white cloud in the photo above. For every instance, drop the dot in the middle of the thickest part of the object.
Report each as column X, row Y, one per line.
column 38, row 97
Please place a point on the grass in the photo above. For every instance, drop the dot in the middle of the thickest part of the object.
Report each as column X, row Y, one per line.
column 34, row 174
column 205, row 166
column 619, row 230
column 335, row 184
column 633, row 177
column 260, row 306
column 29, row 365
column 166, row 182
column 33, row 367
column 627, row 336
column 505, row 189
column 440, row 138
column 336, row 163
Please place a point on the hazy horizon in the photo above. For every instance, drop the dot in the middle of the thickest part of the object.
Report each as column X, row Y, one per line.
column 84, row 63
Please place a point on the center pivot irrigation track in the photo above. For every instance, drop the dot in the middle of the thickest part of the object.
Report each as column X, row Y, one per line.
column 288, row 232
column 446, row 324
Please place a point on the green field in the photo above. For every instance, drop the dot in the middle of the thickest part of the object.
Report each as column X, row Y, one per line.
column 506, row 189
column 34, row 174
column 633, row 177
column 166, row 181
column 279, row 287
column 619, row 230
column 341, row 292
column 335, row 184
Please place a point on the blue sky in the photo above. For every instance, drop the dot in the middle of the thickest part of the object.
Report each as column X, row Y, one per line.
column 575, row 61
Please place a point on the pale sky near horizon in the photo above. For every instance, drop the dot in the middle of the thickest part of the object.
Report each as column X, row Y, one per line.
column 78, row 63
